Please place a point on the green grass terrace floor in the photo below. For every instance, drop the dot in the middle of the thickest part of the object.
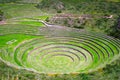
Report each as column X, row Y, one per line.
column 80, row 52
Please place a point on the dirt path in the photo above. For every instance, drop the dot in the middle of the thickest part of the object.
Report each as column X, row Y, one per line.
column 51, row 25
column 2, row 22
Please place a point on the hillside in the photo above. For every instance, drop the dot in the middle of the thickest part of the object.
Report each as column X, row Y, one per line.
column 82, row 6
column 98, row 15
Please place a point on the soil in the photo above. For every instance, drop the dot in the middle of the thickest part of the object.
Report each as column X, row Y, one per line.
column 2, row 22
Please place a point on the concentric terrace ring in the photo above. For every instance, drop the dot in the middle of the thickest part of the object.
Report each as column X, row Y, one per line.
column 67, row 54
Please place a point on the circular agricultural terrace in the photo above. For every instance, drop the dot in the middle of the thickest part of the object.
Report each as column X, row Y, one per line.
column 66, row 54
column 78, row 52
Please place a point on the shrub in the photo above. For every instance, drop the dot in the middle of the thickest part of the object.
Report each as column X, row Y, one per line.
column 59, row 11
column 47, row 19
column 1, row 15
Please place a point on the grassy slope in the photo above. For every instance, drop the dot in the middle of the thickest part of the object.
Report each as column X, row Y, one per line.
column 16, row 13
column 19, row 10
